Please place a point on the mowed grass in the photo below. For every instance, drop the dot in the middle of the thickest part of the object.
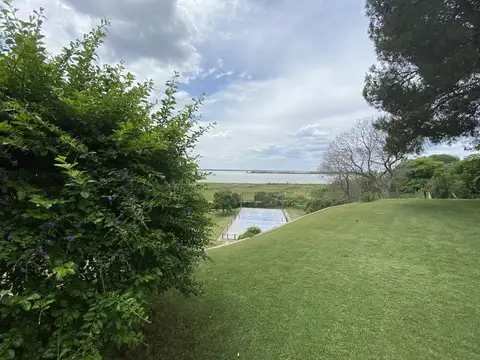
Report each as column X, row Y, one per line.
column 394, row 279
column 249, row 190
column 295, row 213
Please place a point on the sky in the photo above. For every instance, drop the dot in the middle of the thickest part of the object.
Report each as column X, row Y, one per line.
column 282, row 77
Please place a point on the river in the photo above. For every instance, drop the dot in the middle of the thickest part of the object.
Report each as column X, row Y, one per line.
column 256, row 178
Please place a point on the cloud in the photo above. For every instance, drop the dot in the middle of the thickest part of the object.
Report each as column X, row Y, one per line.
column 143, row 28
column 226, row 73
column 219, row 134
column 311, row 130
column 282, row 78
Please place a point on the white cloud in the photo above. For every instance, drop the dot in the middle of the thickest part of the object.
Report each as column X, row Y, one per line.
column 224, row 74
column 282, row 78
column 219, row 134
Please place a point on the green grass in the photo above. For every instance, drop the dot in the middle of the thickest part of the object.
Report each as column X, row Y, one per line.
column 394, row 279
column 295, row 213
column 221, row 221
column 249, row 190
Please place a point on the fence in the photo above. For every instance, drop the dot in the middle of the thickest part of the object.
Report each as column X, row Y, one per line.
column 225, row 234
column 264, row 218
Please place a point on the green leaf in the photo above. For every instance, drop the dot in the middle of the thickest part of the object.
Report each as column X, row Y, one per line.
column 20, row 195
column 27, row 305
column 62, row 271
column 10, row 354
column 17, row 342
column 85, row 194
column 41, row 202
column 34, row 296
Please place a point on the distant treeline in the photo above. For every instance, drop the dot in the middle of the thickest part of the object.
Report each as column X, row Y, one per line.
column 271, row 171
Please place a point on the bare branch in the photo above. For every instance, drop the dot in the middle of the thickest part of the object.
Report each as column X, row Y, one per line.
column 360, row 153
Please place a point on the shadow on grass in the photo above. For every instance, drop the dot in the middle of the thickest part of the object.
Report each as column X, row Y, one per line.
column 186, row 328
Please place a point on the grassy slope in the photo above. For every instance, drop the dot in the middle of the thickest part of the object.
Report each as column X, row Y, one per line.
column 221, row 221
column 249, row 190
column 295, row 212
column 386, row 280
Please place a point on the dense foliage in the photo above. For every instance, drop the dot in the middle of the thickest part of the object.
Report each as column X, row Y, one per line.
column 370, row 196
column 427, row 176
column 99, row 203
column 428, row 72
column 251, row 231
column 226, row 200
column 319, row 200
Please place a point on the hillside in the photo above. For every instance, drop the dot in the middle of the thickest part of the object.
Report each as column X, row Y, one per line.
column 391, row 279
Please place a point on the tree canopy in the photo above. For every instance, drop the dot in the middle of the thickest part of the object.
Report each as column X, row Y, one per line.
column 428, row 76
column 359, row 153
column 226, row 200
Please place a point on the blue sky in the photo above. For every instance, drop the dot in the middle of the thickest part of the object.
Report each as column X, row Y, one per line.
column 282, row 77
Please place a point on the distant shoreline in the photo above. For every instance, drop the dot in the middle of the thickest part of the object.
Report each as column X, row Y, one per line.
column 269, row 171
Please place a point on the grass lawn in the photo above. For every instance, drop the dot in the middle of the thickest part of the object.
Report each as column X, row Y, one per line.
column 249, row 190
column 393, row 279
column 295, row 212
column 221, row 221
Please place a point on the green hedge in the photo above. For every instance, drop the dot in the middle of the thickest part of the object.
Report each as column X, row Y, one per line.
column 100, row 205
column 251, row 231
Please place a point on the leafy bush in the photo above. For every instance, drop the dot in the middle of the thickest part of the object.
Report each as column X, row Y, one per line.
column 258, row 204
column 316, row 204
column 100, row 205
column 226, row 200
column 370, row 196
column 467, row 173
column 295, row 200
column 251, row 231
column 318, row 201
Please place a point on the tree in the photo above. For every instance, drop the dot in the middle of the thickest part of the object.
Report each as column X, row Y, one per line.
column 333, row 165
column 420, row 173
column 359, row 154
column 428, row 77
column 448, row 180
column 100, row 205
column 447, row 159
column 226, row 200
column 468, row 172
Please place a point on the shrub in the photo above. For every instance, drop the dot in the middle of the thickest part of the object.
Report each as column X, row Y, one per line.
column 268, row 199
column 317, row 204
column 100, row 205
column 337, row 202
column 295, row 200
column 251, row 231
column 370, row 196
column 226, row 200
column 258, row 204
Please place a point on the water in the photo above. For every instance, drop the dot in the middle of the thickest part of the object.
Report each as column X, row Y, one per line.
column 256, row 178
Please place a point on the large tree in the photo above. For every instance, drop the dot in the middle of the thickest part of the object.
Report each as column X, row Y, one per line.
column 359, row 154
column 428, row 72
column 226, row 200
